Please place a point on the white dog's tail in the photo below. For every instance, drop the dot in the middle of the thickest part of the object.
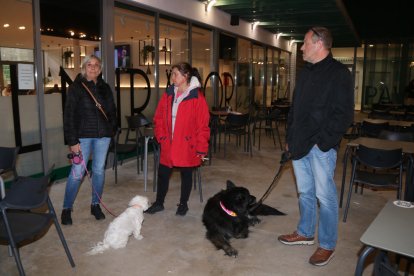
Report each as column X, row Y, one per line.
column 98, row 249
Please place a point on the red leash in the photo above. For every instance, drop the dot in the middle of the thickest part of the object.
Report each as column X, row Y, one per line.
column 93, row 188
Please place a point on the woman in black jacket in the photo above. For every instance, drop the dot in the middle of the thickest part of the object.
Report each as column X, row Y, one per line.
column 88, row 131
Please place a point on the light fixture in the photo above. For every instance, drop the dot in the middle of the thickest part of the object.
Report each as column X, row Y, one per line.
column 22, row 28
column 6, row 25
column 208, row 4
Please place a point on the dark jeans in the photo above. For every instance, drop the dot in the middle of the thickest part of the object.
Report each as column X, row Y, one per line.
column 164, row 174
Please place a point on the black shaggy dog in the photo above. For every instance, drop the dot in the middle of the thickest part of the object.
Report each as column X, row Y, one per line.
column 227, row 215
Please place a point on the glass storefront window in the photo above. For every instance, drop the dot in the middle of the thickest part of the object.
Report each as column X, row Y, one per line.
column 258, row 74
column 284, row 76
column 177, row 32
column 227, row 68
column 269, row 77
column 201, row 56
column 244, row 74
column 382, row 71
column 135, row 49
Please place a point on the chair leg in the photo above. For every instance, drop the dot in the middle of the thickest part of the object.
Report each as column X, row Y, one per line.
column 60, row 233
column 16, row 255
column 200, row 187
column 349, row 193
column 156, row 152
column 197, row 180
column 260, row 130
column 278, row 135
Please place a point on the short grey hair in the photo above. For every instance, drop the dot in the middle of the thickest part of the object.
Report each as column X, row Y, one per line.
column 85, row 62
column 323, row 34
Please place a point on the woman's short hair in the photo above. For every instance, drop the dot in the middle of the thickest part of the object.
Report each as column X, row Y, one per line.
column 323, row 34
column 85, row 62
column 187, row 70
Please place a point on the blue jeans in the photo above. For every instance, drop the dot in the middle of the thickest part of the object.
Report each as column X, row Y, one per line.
column 315, row 180
column 98, row 147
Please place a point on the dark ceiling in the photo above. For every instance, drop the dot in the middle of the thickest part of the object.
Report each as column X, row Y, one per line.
column 352, row 22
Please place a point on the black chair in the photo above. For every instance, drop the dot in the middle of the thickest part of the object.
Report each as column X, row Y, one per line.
column 376, row 168
column 396, row 136
column 136, row 123
column 8, row 157
column 353, row 131
column 383, row 114
column 371, row 129
column 21, row 222
column 119, row 149
column 284, row 112
column 264, row 119
column 238, row 125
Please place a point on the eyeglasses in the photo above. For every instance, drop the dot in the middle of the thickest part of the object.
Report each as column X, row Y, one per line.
column 315, row 32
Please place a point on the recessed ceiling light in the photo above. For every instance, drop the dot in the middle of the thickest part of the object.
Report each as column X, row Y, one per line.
column 6, row 25
column 22, row 28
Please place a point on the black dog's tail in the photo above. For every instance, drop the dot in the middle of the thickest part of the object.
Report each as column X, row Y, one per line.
column 265, row 210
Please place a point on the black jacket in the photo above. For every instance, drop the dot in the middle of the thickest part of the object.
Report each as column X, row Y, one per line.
column 322, row 107
column 82, row 119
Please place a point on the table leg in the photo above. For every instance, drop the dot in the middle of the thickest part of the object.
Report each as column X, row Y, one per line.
column 146, row 162
column 360, row 264
column 345, row 161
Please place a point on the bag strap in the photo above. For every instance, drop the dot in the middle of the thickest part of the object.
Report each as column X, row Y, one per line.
column 98, row 105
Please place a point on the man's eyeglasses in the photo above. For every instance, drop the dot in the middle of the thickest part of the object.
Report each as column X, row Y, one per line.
column 315, row 32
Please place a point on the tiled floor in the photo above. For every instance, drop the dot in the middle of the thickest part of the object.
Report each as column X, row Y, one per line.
column 177, row 245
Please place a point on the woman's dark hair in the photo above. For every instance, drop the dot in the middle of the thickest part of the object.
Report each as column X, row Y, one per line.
column 187, row 70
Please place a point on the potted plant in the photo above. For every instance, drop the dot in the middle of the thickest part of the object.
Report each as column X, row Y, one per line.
column 145, row 55
column 146, row 51
column 66, row 56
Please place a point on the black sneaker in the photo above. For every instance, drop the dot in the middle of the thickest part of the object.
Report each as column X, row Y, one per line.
column 97, row 212
column 66, row 217
column 182, row 209
column 155, row 207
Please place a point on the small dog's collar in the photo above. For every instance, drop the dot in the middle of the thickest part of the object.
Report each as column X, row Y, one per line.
column 229, row 212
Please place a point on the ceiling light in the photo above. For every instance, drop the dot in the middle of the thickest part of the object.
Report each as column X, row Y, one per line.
column 6, row 25
column 22, row 28
column 72, row 33
column 208, row 4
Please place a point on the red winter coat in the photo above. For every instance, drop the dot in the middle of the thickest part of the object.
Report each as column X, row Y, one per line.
column 191, row 131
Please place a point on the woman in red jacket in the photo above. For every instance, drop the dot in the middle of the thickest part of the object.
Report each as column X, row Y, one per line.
column 181, row 128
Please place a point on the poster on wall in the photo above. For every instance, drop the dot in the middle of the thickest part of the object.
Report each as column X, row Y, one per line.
column 122, row 56
column 25, row 75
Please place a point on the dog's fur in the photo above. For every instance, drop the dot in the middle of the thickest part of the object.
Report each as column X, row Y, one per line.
column 126, row 224
column 222, row 226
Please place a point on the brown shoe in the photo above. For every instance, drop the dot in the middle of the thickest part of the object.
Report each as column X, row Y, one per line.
column 321, row 257
column 295, row 238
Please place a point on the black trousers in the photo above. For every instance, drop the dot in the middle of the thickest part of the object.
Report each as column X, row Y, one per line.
column 164, row 174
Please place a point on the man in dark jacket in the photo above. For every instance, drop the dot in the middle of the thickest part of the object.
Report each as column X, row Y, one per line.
column 321, row 112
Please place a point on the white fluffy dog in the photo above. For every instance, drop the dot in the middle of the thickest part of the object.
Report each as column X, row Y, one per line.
column 126, row 224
